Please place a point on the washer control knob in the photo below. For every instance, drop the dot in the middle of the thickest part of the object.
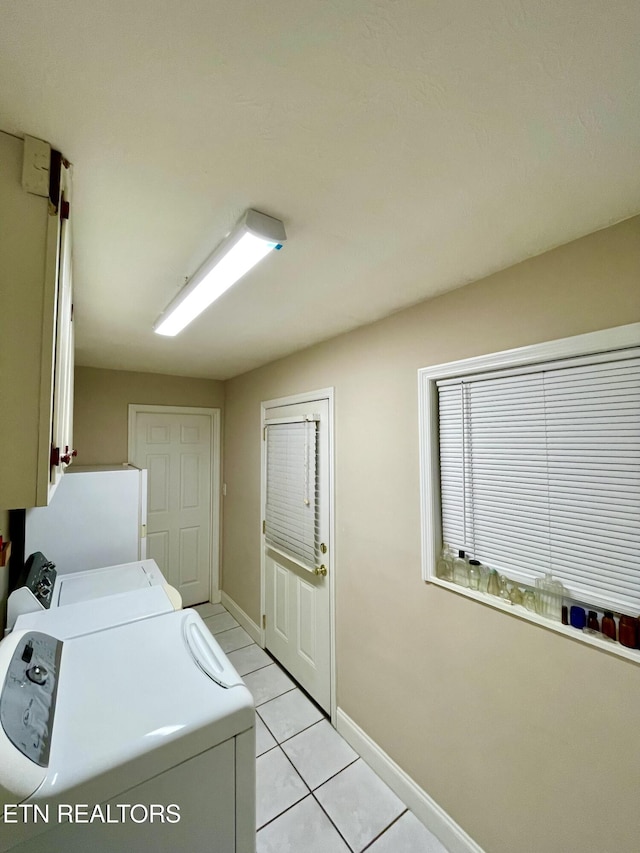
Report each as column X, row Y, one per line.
column 37, row 674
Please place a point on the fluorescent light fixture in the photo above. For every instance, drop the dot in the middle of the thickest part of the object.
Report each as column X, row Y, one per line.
column 255, row 235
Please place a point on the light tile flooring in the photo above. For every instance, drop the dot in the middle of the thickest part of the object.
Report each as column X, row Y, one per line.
column 314, row 795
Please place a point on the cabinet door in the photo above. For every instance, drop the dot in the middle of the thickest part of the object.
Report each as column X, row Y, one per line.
column 35, row 329
column 62, row 416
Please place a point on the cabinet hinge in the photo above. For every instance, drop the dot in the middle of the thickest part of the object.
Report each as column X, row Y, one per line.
column 64, row 210
column 264, row 621
column 264, row 433
column 264, row 526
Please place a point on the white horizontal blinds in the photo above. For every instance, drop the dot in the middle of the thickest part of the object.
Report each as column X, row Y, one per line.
column 507, row 478
column 551, row 480
column 451, row 465
column 291, row 518
column 593, row 428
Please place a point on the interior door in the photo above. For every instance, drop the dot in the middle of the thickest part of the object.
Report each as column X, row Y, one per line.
column 176, row 450
column 297, row 596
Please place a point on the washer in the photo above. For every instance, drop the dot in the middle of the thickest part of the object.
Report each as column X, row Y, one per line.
column 45, row 588
column 147, row 714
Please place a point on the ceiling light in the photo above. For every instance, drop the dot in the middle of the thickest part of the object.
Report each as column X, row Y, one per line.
column 255, row 235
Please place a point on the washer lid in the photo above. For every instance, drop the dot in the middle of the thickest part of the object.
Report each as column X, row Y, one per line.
column 96, row 583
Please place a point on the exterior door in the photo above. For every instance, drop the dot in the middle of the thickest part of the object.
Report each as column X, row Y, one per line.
column 176, row 450
column 297, row 594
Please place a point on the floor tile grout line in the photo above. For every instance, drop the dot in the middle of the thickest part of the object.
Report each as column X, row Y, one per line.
column 313, row 792
column 332, row 822
column 288, row 809
column 297, row 774
column 291, row 737
column 271, row 748
column 257, row 669
column 337, row 773
column 386, row 829
column 273, row 697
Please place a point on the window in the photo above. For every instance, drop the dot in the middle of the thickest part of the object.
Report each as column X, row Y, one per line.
column 530, row 463
column 291, row 517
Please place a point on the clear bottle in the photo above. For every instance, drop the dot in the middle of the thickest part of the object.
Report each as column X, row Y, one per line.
column 503, row 592
column 484, row 577
column 444, row 566
column 515, row 594
column 474, row 574
column 493, row 583
column 461, row 570
column 549, row 593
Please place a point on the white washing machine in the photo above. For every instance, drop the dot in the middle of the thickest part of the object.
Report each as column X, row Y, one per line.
column 138, row 737
column 45, row 588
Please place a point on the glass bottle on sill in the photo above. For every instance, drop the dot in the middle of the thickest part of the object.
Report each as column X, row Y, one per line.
column 484, row 577
column 609, row 625
column 593, row 626
column 493, row 583
column 474, row 574
column 504, row 589
column 627, row 632
column 461, row 570
column 444, row 566
column 515, row 594
column 549, row 593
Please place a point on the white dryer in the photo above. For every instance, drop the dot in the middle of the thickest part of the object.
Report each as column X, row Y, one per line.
column 98, row 614
column 138, row 737
column 45, row 588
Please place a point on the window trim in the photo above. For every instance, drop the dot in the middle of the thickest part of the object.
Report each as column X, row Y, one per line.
column 617, row 338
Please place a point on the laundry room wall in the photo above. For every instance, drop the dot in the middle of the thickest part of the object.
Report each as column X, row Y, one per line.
column 525, row 737
column 102, row 397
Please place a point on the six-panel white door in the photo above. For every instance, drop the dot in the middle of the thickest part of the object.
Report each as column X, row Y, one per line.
column 176, row 451
column 297, row 601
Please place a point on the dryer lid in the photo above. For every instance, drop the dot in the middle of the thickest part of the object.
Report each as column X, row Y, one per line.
column 97, row 583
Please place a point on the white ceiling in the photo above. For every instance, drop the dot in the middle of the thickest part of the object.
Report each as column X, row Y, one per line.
column 410, row 146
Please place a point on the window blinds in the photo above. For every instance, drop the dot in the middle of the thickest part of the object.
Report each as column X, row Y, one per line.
column 291, row 518
column 540, row 471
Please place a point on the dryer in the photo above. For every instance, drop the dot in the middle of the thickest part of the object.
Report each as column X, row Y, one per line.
column 114, row 733
column 97, row 614
column 45, row 588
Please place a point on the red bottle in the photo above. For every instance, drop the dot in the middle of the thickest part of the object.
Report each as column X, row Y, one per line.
column 609, row 625
column 627, row 631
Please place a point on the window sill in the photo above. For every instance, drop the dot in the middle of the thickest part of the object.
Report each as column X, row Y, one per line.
column 517, row 610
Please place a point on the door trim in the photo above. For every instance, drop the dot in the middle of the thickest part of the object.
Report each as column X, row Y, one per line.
column 306, row 397
column 216, row 449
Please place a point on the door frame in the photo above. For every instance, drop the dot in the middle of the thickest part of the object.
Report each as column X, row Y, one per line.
column 216, row 449
column 293, row 399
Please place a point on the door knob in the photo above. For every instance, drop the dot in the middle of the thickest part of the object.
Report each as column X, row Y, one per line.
column 320, row 571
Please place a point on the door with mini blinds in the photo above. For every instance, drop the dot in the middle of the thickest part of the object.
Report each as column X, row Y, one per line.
column 176, row 450
column 296, row 479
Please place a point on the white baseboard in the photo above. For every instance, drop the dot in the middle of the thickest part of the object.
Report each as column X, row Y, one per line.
column 241, row 617
column 454, row 838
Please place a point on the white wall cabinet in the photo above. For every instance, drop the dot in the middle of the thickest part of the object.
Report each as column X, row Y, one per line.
column 36, row 326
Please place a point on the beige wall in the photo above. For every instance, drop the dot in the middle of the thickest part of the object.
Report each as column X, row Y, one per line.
column 529, row 740
column 102, row 397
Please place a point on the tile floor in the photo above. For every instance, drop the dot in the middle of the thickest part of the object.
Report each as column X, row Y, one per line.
column 314, row 794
